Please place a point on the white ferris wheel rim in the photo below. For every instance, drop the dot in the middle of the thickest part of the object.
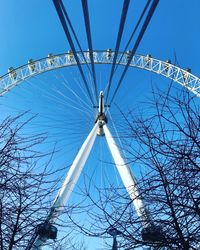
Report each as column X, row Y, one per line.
column 165, row 68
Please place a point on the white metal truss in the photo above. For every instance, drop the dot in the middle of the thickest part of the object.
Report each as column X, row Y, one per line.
column 127, row 178
column 68, row 184
column 75, row 171
column 73, row 174
column 18, row 75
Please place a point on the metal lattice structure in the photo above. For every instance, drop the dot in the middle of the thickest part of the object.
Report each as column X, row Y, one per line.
column 47, row 230
column 52, row 62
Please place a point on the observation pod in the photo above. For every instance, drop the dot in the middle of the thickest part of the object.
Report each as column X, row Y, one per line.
column 12, row 73
column 70, row 55
column 51, row 59
column 31, row 65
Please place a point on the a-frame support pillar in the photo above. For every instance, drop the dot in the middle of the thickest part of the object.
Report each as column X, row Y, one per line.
column 46, row 229
column 66, row 189
column 127, row 177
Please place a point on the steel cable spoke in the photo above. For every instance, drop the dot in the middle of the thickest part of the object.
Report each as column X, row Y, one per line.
column 133, row 33
column 89, row 38
column 74, row 34
column 119, row 36
column 140, row 36
column 65, row 27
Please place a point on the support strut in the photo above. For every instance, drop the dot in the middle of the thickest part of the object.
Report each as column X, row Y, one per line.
column 68, row 185
column 127, row 178
column 47, row 230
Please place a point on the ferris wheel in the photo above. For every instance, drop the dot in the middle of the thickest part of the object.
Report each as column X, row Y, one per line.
column 18, row 76
column 100, row 104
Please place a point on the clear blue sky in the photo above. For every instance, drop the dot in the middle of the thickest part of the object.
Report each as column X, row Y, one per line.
column 31, row 29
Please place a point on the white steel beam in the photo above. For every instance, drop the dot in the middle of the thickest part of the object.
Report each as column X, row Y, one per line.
column 33, row 68
column 73, row 174
column 69, row 183
column 127, row 178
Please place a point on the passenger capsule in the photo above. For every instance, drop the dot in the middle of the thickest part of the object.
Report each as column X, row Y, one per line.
column 109, row 54
column 12, row 73
column 70, row 55
column 148, row 59
column 51, row 59
column 31, row 65
column 128, row 54
column 188, row 70
column 167, row 65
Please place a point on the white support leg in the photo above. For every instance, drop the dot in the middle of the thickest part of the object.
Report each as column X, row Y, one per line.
column 73, row 174
column 69, row 183
column 127, row 178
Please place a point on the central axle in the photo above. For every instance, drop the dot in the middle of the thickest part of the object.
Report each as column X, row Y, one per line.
column 101, row 117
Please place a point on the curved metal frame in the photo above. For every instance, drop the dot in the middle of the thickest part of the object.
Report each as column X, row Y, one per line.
column 15, row 76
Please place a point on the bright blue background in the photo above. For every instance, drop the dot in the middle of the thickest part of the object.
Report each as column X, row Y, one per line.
column 31, row 29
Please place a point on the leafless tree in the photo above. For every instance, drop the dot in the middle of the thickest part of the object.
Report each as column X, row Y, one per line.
column 167, row 145
column 164, row 142
column 28, row 185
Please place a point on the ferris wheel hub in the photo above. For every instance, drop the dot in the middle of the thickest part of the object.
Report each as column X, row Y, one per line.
column 100, row 130
column 101, row 118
